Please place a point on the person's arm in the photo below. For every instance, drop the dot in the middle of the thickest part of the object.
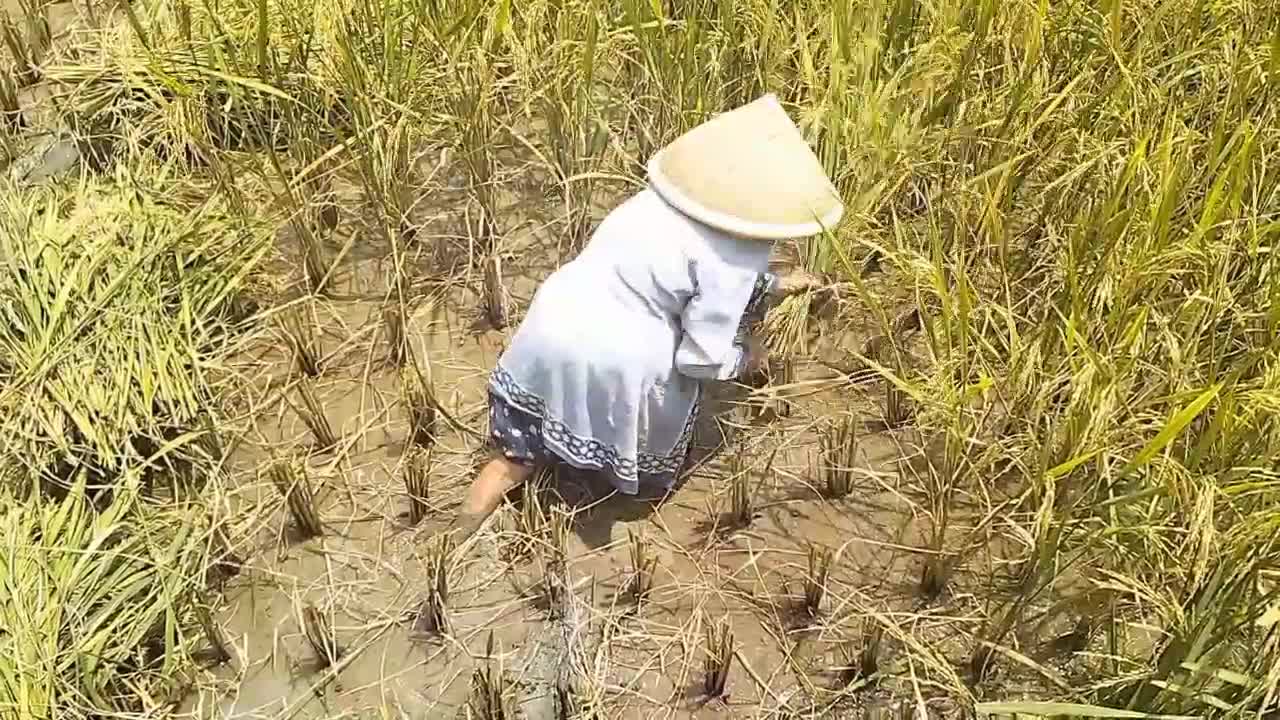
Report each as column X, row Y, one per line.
column 710, row 346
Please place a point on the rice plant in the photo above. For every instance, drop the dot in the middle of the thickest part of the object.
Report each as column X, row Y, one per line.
column 290, row 478
column 417, row 483
column 496, row 302
column 838, row 450
column 897, row 410
column 314, row 417
column 490, row 692
column 816, row 579
column 147, row 576
column 432, row 616
column 393, row 327
column 218, row 653
column 417, row 395
column 643, row 566
column 320, row 634
column 862, row 664
column 719, row 650
column 28, row 45
column 299, row 331
column 741, row 495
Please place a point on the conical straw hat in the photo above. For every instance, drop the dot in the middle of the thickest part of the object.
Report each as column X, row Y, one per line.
column 748, row 172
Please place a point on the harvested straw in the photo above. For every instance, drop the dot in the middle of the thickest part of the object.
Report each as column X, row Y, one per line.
column 290, row 478
column 417, row 482
column 320, row 636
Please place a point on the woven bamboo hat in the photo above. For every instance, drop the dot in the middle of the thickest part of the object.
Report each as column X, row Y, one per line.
column 748, row 172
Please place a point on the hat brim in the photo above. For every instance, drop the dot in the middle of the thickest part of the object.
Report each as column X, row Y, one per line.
column 682, row 201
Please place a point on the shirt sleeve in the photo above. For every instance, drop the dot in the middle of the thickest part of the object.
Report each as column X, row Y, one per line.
column 710, row 347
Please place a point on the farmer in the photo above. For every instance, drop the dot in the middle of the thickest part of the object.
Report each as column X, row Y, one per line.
column 606, row 371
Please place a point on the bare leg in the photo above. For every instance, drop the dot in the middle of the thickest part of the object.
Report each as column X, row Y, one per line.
column 495, row 480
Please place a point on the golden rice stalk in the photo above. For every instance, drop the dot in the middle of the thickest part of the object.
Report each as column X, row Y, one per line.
column 393, row 321
column 320, row 636
column 433, row 616
column 490, row 697
column 417, row 393
column 786, row 326
column 313, row 416
column 291, row 480
column 719, row 658
column 643, row 566
column 417, row 482
column 838, row 448
column 815, row 581
column 300, row 334
column 496, row 303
